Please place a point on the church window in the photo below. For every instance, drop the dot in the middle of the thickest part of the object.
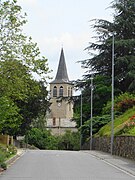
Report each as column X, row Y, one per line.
column 71, row 91
column 61, row 91
column 55, row 91
column 54, row 121
column 68, row 91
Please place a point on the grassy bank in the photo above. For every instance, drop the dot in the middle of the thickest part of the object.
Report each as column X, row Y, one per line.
column 123, row 125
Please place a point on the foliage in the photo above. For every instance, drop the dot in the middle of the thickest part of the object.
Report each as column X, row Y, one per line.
column 41, row 139
column 122, row 103
column 4, row 165
column 10, row 119
column 5, row 153
column 69, row 141
column 15, row 80
column 14, row 45
column 2, row 157
column 100, row 64
column 21, row 64
column 129, row 126
column 34, row 109
column 101, row 94
column 97, row 123
column 119, row 124
column 122, row 28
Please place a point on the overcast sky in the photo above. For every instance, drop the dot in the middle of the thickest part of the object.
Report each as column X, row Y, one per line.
column 54, row 24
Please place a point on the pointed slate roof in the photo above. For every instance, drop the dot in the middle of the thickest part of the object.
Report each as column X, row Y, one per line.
column 62, row 75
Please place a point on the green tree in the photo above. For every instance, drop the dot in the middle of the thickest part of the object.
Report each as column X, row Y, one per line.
column 100, row 61
column 10, row 119
column 101, row 94
column 34, row 109
column 123, row 28
column 21, row 64
column 14, row 45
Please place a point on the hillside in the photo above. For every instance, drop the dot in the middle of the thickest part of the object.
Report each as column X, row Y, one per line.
column 123, row 125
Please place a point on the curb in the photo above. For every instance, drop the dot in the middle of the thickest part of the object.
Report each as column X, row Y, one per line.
column 117, row 166
column 14, row 158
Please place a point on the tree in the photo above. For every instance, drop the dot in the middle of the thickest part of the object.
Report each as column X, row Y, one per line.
column 100, row 63
column 14, row 45
column 34, row 109
column 69, row 141
column 10, row 119
column 123, row 28
column 20, row 58
column 101, row 95
column 15, row 80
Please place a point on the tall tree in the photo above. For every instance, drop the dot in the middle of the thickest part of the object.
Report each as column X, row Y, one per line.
column 123, row 27
column 10, row 119
column 100, row 61
column 20, row 58
column 14, row 45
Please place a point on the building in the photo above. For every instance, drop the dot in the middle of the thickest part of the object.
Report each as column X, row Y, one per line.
column 61, row 110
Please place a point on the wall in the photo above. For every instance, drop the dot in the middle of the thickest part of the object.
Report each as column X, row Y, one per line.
column 123, row 145
column 60, row 131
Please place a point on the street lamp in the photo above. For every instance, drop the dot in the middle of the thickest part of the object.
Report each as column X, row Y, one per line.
column 112, row 110
column 81, row 123
column 112, row 105
column 91, row 118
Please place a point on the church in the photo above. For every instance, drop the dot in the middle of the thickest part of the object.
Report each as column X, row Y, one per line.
column 61, row 110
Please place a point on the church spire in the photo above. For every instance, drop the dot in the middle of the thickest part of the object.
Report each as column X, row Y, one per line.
column 62, row 75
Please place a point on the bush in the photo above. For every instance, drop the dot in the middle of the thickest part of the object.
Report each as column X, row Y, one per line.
column 5, row 153
column 121, row 104
column 3, row 165
column 2, row 156
column 69, row 141
column 41, row 139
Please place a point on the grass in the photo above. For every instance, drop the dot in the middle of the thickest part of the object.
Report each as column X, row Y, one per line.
column 119, row 125
column 6, row 152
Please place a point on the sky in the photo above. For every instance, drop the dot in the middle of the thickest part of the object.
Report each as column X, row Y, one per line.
column 54, row 24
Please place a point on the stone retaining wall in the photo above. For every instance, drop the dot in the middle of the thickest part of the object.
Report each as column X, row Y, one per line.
column 123, row 146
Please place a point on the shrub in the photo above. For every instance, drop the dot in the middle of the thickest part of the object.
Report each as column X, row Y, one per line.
column 129, row 125
column 41, row 139
column 2, row 156
column 121, row 104
column 69, row 141
column 3, row 165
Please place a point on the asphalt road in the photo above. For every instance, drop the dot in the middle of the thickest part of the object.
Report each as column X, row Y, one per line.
column 61, row 165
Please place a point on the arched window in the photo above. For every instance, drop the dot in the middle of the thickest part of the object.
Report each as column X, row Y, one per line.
column 61, row 91
column 55, row 91
column 71, row 91
column 68, row 91
column 54, row 121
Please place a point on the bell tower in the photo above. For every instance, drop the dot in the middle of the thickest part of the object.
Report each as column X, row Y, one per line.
column 61, row 109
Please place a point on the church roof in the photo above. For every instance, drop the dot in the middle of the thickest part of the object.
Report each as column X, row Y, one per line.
column 62, row 75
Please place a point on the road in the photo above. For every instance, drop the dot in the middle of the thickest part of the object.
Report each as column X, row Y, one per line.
column 62, row 165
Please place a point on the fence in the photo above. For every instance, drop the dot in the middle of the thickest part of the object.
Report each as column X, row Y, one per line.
column 6, row 139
